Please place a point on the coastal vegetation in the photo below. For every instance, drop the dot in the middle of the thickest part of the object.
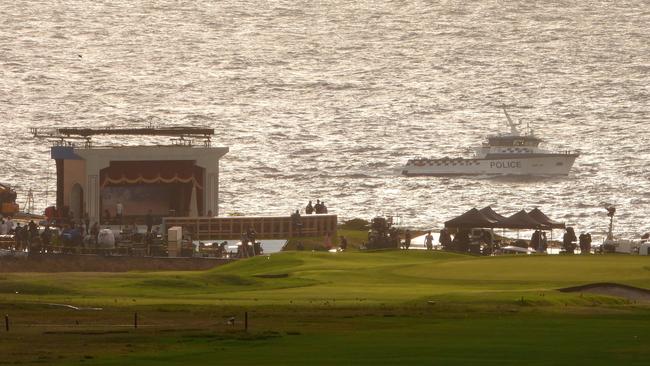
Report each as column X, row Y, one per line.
column 383, row 307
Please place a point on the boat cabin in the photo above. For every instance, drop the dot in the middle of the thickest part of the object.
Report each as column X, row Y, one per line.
column 511, row 140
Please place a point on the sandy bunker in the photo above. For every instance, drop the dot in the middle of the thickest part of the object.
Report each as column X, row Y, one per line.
column 612, row 289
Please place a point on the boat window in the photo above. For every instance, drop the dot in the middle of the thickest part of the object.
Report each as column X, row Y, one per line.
column 512, row 142
column 532, row 143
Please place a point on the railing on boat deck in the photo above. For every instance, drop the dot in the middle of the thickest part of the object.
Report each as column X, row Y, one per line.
column 266, row 227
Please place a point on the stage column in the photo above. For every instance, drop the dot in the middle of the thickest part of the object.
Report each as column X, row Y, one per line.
column 92, row 193
column 92, row 198
column 211, row 187
column 210, row 165
column 60, row 187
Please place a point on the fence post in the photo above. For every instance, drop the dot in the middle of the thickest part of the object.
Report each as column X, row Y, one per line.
column 7, row 322
column 135, row 320
column 246, row 321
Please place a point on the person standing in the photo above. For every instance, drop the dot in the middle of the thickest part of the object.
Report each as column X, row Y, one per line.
column 148, row 220
column 87, row 223
column 252, row 239
column 445, row 239
column 243, row 248
column 46, row 239
column 535, row 240
column 343, row 243
column 461, row 241
column 9, row 226
column 568, row 240
column 119, row 212
column 407, row 239
column 309, row 209
column 581, row 242
column 544, row 242
column 428, row 241
column 18, row 237
column 33, row 235
column 296, row 223
column 94, row 233
column 585, row 243
column 488, row 239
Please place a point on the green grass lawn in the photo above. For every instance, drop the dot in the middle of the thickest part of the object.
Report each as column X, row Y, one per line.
column 354, row 237
column 387, row 307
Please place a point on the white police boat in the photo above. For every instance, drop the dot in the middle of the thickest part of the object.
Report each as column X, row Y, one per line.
column 511, row 153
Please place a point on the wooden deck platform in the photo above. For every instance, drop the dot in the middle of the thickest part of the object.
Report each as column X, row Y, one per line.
column 266, row 227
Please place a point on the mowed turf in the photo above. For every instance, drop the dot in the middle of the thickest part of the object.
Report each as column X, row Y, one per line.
column 388, row 307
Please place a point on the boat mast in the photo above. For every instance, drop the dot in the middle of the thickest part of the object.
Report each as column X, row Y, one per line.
column 513, row 127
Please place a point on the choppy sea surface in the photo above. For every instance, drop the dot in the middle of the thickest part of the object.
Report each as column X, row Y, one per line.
column 327, row 99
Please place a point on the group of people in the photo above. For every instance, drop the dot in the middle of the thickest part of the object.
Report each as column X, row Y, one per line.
column 67, row 236
column 6, row 226
column 569, row 242
column 34, row 240
column 249, row 247
column 464, row 241
column 60, row 216
column 24, row 235
column 318, row 208
column 538, row 241
column 459, row 243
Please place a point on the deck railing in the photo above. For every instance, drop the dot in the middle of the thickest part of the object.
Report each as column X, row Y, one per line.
column 266, row 227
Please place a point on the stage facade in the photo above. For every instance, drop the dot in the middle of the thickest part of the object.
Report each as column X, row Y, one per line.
column 166, row 180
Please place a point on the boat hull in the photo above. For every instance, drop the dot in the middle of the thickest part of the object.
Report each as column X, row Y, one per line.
column 534, row 164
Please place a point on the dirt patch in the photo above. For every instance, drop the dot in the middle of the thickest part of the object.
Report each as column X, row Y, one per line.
column 612, row 289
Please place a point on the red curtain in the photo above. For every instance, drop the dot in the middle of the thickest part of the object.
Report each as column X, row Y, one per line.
column 151, row 172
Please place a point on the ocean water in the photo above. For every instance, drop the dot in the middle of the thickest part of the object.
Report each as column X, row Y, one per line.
column 327, row 99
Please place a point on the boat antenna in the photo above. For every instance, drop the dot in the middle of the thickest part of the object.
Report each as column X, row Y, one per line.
column 530, row 129
column 47, row 187
column 513, row 127
column 611, row 211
